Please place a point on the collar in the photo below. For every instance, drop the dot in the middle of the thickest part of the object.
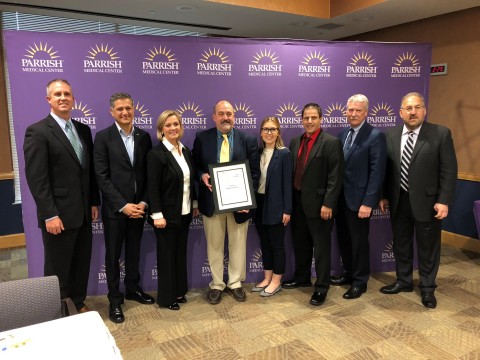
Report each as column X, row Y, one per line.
column 314, row 136
column 405, row 131
column 121, row 131
column 169, row 145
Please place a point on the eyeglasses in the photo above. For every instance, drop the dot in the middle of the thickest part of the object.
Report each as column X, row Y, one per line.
column 269, row 130
column 409, row 109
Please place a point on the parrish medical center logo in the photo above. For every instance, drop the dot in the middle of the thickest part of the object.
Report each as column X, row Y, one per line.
column 160, row 61
column 290, row 116
column 406, row 66
column 102, row 59
column 314, row 64
column 214, row 63
column 82, row 112
column 42, row 57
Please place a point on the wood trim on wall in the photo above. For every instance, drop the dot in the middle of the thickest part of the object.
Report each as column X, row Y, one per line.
column 468, row 176
column 7, row 176
column 11, row 241
column 460, row 241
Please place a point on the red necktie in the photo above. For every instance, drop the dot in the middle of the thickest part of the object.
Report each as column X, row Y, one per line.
column 301, row 161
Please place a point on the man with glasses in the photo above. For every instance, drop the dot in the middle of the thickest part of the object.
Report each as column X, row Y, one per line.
column 419, row 185
column 224, row 143
column 364, row 150
column 318, row 175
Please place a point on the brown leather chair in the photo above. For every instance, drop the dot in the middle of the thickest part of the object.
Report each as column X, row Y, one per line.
column 32, row 301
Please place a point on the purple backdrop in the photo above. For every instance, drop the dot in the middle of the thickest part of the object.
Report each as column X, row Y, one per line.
column 259, row 77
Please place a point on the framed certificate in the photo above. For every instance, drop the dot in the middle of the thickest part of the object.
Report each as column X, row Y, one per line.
column 232, row 186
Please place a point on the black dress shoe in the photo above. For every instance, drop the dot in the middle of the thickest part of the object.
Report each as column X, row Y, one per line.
column 340, row 280
column 115, row 314
column 355, row 292
column 140, row 296
column 396, row 288
column 318, row 298
column 293, row 284
column 429, row 300
column 182, row 300
column 173, row 306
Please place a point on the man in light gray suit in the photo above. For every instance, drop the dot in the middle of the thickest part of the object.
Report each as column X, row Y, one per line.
column 419, row 186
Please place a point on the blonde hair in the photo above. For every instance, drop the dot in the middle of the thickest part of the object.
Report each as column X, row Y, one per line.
column 278, row 141
column 163, row 118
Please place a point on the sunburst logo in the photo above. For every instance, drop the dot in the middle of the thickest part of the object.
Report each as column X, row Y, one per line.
column 265, row 63
column 244, row 116
column 406, row 65
column 408, row 59
column 193, row 116
column 83, row 113
column 382, row 115
column 334, row 115
column 387, row 253
column 362, row 58
column 214, row 62
column 362, row 64
column 35, row 50
column 219, row 55
column 289, row 114
column 290, row 108
column 160, row 61
column 315, row 57
column 102, row 59
column 382, row 108
column 163, row 52
column 40, row 57
column 256, row 263
column 97, row 51
column 142, row 120
column 314, row 64
column 335, row 109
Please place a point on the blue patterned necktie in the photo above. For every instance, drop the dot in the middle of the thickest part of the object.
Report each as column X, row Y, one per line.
column 75, row 141
column 348, row 142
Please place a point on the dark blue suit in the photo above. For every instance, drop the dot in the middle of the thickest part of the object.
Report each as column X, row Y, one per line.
column 205, row 152
column 365, row 164
column 271, row 206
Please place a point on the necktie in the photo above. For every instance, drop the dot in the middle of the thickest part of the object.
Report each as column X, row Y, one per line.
column 75, row 141
column 300, row 166
column 406, row 157
column 348, row 142
column 225, row 150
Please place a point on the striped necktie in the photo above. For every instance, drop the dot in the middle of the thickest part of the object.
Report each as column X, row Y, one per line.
column 348, row 142
column 75, row 141
column 406, row 158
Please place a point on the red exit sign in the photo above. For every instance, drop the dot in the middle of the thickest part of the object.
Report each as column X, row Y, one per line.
column 438, row 69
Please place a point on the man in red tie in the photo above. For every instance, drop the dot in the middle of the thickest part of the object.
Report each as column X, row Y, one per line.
column 318, row 175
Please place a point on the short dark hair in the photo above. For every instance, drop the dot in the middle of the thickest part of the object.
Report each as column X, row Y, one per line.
column 312, row 106
column 119, row 95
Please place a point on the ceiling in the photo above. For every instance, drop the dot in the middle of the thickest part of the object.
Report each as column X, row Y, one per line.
column 215, row 17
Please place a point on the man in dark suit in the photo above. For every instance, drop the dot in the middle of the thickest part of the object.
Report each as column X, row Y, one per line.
column 120, row 156
column 222, row 144
column 419, row 186
column 59, row 171
column 365, row 154
column 318, row 174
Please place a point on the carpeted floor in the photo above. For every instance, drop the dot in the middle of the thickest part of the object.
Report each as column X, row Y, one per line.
column 285, row 326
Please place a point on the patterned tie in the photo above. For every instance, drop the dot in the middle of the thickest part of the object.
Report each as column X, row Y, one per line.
column 348, row 142
column 225, row 150
column 75, row 141
column 300, row 167
column 406, row 157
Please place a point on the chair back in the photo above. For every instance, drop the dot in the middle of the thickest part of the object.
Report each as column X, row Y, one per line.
column 29, row 301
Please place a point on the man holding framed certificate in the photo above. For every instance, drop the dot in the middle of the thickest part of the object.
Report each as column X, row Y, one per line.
column 238, row 154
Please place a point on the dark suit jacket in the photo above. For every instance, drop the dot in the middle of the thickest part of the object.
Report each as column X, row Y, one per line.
column 364, row 167
column 59, row 184
column 278, row 187
column 245, row 147
column 165, row 183
column 116, row 176
column 432, row 171
column 323, row 176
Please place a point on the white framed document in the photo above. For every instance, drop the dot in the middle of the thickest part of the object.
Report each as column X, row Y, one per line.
column 232, row 186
